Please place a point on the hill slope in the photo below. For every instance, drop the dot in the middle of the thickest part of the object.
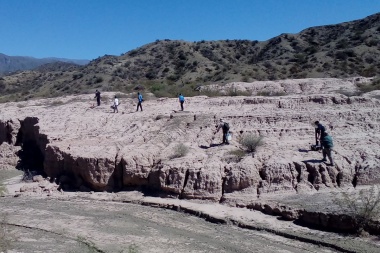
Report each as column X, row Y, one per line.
column 341, row 50
column 18, row 63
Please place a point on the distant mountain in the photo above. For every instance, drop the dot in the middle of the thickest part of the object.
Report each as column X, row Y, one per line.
column 167, row 66
column 10, row 64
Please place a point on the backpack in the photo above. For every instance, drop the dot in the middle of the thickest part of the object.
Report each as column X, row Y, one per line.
column 226, row 127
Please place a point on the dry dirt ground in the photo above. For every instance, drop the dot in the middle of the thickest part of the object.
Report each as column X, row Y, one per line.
column 131, row 222
column 61, row 225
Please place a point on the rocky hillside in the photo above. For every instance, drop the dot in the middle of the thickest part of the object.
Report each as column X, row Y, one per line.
column 341, row 50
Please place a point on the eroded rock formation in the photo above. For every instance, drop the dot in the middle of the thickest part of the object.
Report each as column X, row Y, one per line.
column 91, row 148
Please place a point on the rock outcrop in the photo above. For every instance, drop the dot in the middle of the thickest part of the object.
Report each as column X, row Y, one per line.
column 91, row 148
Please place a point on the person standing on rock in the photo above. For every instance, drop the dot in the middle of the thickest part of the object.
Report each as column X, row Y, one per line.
column 319, row 130
column 97, row 96
column 226, row 128
column 327, row 147
column 181, row 100
column 140, row 98
column 115, row 105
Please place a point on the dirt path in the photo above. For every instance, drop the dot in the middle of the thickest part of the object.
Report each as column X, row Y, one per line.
column 53, row 225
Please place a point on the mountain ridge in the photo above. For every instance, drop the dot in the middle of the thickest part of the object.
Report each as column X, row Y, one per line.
column 10, row 64
column 342, row 50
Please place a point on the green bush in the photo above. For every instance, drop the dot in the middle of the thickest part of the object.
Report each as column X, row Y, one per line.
column 251, row 142
column 180, row 150
column 364, row 206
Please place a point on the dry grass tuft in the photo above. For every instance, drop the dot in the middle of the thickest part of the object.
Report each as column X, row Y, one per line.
column 180, row 150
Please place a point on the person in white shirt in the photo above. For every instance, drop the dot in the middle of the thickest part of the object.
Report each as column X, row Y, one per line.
column 115, row 105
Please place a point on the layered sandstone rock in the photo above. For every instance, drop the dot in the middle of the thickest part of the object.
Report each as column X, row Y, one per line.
column 90, row 147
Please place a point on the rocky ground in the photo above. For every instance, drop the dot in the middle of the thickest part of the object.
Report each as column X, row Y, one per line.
column 84, row 147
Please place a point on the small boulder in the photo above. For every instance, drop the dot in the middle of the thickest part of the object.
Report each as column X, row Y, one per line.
column 38, row 178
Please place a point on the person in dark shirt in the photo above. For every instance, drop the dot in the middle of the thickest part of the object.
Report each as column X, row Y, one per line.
column 97, row 96
column 319, row 130
column 225, row 128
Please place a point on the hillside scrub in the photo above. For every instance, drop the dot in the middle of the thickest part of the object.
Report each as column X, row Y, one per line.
column 169, row 67
column 375, row 85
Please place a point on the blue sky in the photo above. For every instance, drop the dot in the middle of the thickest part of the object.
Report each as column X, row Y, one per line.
column 87, row 29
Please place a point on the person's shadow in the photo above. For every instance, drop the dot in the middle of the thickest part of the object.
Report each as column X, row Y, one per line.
column 211, row 146
column 303, row 150
column 312, row 161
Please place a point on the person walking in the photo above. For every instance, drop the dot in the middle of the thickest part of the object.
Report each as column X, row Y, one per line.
column 97, row 96
column 140, row 98
column 115, row 105
column 181, row 100
column 225, row 128
column 327, row 147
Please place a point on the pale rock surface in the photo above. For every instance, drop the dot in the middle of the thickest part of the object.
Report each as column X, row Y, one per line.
column 92, row 148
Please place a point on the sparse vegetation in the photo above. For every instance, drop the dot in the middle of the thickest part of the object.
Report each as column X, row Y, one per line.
column 236, row 155
column 270, row 93
column 3, row 190
column 350, row 93
column 180, row 150
column 56, row 103
column 375, row 85
column 235, row 92
column 133, row 249
column 251, row 142
column 364, row 206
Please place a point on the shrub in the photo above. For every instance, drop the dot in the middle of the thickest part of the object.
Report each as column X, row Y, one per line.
column 375, row 85
column 234, row 92
column 364, row 206
column 98, row 80
column 77, row 76
column 180, row 150
column 270, row 93
column 236, row 154
column 251, row 142
column 3, row 190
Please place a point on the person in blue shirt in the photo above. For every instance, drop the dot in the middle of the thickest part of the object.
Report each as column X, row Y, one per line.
column 140, row 98
column 181, row 100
